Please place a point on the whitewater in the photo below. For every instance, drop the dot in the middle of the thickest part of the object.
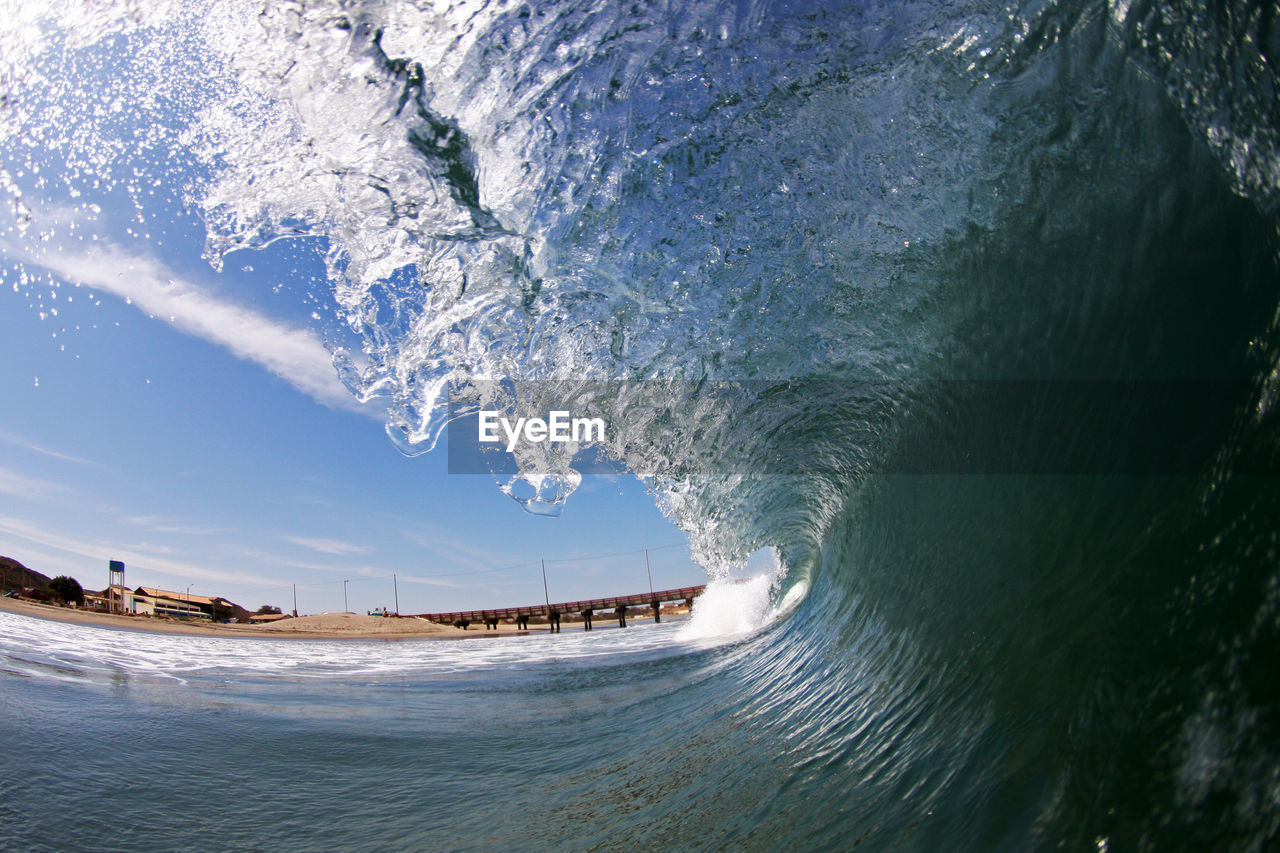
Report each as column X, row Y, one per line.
column 968, row 311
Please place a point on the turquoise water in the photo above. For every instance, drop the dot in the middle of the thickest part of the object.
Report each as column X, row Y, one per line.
column 968, row 311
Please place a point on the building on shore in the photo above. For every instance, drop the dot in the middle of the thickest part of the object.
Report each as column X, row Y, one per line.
column 146, row 600
column 113, row 599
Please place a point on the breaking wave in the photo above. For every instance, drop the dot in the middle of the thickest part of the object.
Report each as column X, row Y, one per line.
column 968, row 310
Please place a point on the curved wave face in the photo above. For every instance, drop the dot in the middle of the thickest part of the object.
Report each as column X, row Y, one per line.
column 967, row 310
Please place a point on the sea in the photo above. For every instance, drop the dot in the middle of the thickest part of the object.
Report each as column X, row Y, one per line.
column 966, row 310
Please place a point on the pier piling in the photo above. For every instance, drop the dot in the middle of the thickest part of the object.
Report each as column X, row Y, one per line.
column 553, row 613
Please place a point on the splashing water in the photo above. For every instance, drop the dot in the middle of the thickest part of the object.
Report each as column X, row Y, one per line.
column 736, row 607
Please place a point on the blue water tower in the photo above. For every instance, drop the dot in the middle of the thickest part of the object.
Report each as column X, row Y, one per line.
column 115, row 577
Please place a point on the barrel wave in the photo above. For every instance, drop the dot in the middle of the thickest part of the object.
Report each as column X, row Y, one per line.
column 969, row 311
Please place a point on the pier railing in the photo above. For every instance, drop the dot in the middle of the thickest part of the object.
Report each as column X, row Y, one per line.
column 586, row 608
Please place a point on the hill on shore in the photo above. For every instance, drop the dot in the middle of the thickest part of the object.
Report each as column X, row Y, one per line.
column 14, row 575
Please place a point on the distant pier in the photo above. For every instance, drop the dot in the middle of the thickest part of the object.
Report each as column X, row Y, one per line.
column 619, row 605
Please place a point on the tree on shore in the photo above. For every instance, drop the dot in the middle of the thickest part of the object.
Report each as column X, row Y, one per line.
column 267, row 609
column 68, row 589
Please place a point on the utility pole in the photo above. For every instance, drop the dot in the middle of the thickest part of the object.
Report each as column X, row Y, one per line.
column 395, row 585
column 345, row 609
column 646, row 570
column 544, row 585
column 295, row 600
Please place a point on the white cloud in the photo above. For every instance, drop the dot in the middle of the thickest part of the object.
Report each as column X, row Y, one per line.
column 279, row 561
column 293, row 354
column 159, row 524
column 21, row 486
column 431, row 582
column 456, row 552
column 96, row 554
column 19, row 441
column 328, row 546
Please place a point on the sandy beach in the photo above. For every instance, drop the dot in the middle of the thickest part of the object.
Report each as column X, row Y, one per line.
column 326, row 626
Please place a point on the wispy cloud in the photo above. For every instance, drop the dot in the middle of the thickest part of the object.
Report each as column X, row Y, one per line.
column 22, row 486
column 292, row 354
column 280, row 561
column 347, row 571
column 19, row 441
column 457, row 553
column 159, row 524
column 97, row 553
column 431, row 582
column 328, row 546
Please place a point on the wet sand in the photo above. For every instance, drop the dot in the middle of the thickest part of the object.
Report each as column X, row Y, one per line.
column 326, row 626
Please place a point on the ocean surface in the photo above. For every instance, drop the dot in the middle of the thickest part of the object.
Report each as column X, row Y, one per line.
column 967, row 310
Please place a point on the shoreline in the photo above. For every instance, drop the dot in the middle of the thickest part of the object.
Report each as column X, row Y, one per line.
column 389, row 628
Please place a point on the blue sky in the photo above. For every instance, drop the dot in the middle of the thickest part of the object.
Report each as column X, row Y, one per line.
column 188, row 423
